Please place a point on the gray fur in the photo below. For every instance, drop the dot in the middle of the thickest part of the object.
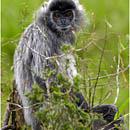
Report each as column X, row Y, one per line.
column 38, row 42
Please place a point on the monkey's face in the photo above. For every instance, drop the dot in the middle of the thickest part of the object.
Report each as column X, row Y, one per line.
column 63, row 19
column 62, row 15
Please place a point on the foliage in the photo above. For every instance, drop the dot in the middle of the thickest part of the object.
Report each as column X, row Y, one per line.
column 17, row 15
column 57, row 109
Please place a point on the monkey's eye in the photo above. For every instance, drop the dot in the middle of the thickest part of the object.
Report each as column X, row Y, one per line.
column 68, row 14
column 57, row 15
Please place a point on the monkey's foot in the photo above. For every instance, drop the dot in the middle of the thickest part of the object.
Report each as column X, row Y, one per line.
column 108, row 112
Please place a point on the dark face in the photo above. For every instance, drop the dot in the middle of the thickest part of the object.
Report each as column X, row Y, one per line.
column 62, row 15
column 63, row 19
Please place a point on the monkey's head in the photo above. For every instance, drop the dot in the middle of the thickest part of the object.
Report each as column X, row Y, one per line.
column 63, row 15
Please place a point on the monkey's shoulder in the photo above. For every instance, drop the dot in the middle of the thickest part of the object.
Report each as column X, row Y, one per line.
column 32, row 30
column 31, row 42
column 32, row 37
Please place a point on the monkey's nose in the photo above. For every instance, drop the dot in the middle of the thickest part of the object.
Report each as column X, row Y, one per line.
column 64, row 22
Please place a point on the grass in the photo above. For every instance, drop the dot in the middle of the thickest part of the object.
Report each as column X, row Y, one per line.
column 16, row 15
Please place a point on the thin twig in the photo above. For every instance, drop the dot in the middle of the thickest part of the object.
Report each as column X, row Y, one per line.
column 13, row 99
column 7, row 127
column 106, row 96
column 90, row 92
column 8, row 112
column 118, row 68
column 88, row 45
column 110, row 75
column 99, row 69
column 120, row 118
column 99, row 48
column 10, row 42
column 21, row 107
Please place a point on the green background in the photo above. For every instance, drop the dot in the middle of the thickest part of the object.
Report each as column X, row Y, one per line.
column 18, row 14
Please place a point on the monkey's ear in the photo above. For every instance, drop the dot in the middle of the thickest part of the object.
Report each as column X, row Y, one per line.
column 76, row 1
column 45, row 4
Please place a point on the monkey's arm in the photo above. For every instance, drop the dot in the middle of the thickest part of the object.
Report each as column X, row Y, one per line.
column 22, row 63
column 24, row 71
column 70, row 71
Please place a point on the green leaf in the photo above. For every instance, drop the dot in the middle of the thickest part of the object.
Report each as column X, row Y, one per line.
column 122, row 108
column 66, row 48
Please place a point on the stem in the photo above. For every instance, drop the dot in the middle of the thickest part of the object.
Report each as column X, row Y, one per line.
column 118, row 68
column 100, row 62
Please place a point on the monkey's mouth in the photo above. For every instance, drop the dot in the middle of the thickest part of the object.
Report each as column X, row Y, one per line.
column 64, row 29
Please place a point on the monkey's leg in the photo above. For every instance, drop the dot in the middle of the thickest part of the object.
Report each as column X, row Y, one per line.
column 24, row 82
column 30, row 119
column 108, row 112
column 28, row 113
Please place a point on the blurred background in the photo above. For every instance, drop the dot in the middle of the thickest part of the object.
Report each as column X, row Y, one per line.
column 18, row 14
